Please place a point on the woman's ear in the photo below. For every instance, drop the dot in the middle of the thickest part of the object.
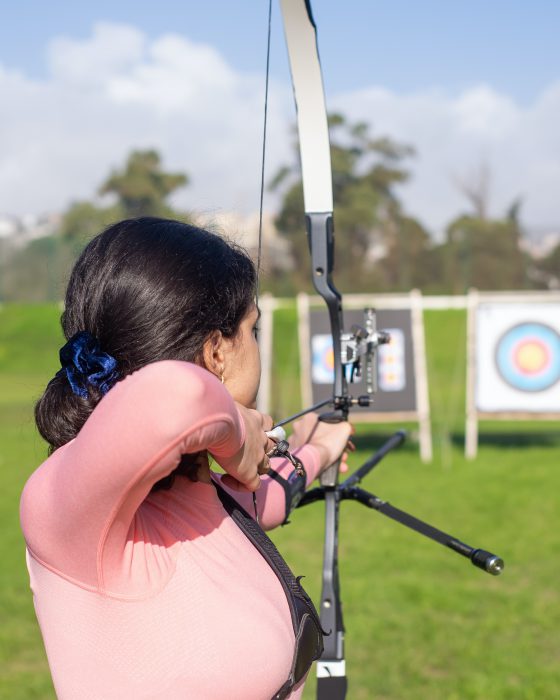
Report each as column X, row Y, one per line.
column 213, row 353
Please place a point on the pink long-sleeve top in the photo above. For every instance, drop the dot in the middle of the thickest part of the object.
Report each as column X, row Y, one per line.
column 155, row 595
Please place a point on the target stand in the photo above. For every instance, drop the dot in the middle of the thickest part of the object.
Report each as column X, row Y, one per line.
column 513, row 359
column 402, row 378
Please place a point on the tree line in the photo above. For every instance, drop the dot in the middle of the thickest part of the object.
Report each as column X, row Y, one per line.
column 380, row 247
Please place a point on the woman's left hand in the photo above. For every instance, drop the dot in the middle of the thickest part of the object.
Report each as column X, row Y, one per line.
column 332, row 440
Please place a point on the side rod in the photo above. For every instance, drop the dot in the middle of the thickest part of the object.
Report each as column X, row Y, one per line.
column 491, row 563
column 394, row 441
column 484, row 560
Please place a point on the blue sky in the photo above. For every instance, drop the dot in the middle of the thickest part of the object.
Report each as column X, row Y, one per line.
column 469, row 84
column 511, row 44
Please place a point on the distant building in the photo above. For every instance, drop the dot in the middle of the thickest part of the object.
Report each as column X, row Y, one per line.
column 9, row 226
column 244, row 230
column 17, row 231
column 540, row 241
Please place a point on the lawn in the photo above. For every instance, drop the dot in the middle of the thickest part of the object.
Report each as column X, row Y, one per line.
column 421, row 622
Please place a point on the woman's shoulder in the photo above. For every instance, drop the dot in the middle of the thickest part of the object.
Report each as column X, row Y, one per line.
column 165, row 396
column 166, row 380
column 172, row 371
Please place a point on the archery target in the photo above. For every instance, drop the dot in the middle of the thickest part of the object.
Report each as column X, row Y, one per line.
column 528, row 357
column 322, row 359
column 518, row 357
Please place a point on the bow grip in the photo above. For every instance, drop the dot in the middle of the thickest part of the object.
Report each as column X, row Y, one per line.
column 329, row 477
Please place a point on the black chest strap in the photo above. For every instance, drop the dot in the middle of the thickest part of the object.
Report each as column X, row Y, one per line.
column 305, row 621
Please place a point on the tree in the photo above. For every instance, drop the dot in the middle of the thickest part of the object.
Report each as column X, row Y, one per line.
column 409, row 262
column 83, row 220
column 142, row 187
column 476, row 188
column 369, row 216
column 485, row 253
column 547, row 271
column 39, row 271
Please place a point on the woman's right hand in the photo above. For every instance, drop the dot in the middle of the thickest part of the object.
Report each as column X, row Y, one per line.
column 246, row 466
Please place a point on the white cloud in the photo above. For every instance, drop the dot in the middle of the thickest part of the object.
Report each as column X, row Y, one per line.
column 112, row 49
column 117, row 90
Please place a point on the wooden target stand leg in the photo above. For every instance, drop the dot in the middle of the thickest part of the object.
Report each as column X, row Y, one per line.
column 471, row 424
column 421, row 376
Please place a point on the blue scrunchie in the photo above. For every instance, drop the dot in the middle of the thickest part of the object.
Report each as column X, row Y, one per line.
column 84, row 363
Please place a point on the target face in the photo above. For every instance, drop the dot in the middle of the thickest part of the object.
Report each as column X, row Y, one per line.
column 517, row 357
column 322, row 359
column 528, row 357
column 391, row 362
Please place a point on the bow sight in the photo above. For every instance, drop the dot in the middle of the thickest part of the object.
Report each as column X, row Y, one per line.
column 362, row 343
column 357, row 357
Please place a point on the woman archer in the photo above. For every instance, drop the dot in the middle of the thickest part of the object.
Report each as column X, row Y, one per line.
column 150, row 579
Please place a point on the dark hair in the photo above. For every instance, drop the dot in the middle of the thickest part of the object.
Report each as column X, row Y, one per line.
column 148, row 289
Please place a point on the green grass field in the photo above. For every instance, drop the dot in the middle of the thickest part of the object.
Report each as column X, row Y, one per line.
column 421, row 622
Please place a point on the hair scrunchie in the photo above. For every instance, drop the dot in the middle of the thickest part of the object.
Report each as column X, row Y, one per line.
column 85, row 363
